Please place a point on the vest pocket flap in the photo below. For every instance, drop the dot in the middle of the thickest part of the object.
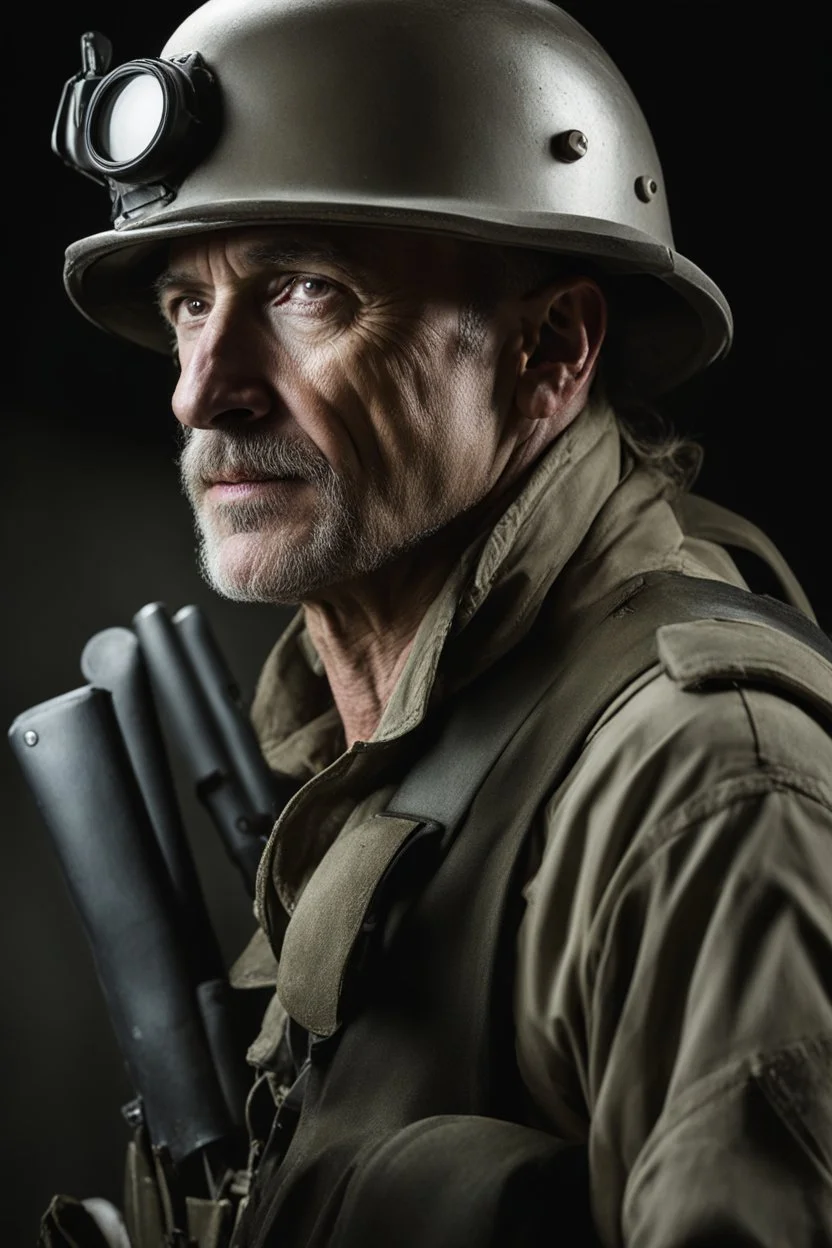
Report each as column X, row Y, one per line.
column 329, row 918
column 703, row 652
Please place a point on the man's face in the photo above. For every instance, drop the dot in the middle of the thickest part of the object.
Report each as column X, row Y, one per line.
column 338, row 407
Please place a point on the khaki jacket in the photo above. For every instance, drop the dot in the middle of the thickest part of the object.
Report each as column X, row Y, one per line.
column 673, row 1002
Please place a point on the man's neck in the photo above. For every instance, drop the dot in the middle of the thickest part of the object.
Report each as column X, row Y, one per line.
column 364, row 630
column 364, row 633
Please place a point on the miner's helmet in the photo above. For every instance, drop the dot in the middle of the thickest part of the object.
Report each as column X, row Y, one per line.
column 502, row 121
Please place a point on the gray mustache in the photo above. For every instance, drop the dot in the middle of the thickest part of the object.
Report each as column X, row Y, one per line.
column 209, row 455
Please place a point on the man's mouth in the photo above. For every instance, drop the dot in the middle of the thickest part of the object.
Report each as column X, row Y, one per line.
column 233, row 486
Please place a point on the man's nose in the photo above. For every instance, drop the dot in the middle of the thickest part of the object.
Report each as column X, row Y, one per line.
column 222, row 381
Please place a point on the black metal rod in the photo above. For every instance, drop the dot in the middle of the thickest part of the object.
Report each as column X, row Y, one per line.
column 183, row 705
column 112, row 660
column 77, row 766
column 266, row 790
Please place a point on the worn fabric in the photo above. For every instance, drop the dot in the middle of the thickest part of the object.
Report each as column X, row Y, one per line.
column 674, row 960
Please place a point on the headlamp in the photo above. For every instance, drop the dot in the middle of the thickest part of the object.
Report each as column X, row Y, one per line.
column 138, row 129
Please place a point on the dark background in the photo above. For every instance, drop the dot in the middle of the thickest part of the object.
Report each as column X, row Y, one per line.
column 94, row 526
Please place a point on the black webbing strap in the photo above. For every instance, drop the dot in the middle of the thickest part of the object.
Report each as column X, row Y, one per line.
column 615, row 646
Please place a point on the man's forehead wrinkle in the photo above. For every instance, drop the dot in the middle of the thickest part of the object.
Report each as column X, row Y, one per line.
column 278, row 253
column 281, row 253
column 169, row 278
column 359, row 254
column 260, row 255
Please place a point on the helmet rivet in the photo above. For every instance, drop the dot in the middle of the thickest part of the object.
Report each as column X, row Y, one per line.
column 646, row 188
column 570, row 145
column 31, row 737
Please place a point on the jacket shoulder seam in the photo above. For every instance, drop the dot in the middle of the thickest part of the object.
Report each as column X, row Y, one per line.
column 768, row 778
column 755, row 736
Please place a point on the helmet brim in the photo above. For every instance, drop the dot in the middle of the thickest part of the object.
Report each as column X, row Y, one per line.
column 668, row 319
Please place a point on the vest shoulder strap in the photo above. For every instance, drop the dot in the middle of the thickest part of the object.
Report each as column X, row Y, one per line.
column 656, row 617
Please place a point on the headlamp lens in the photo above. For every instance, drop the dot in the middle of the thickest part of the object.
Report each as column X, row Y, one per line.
column 128, row 119
column 139, row 129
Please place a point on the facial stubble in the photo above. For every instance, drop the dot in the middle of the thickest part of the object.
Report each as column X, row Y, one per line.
column 280, row 557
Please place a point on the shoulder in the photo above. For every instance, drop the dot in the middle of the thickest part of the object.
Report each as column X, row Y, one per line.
column 727, row 699
column 703, row 732
column 697, row 815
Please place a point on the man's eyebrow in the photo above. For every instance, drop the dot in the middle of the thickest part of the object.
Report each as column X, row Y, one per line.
column 273, row 255
column 171, row 278
column 292, row 254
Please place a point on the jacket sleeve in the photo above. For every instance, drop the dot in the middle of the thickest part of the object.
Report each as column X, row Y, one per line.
column 694, row 999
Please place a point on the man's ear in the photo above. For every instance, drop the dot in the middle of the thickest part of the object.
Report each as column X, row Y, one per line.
column 563, row 328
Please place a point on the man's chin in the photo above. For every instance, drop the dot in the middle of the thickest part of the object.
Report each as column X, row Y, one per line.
column 252, row 567
column 246, row 568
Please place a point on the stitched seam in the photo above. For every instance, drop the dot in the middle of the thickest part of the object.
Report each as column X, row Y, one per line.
column 769, row 779
column 692, row 813
column 753, row 727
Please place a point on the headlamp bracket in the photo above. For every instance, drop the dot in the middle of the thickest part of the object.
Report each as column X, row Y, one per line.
column 187, row 126
column 68, row 128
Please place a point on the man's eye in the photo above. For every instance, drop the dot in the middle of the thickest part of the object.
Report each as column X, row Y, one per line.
column 309, row 289
column 194, row 306
column 187, row 307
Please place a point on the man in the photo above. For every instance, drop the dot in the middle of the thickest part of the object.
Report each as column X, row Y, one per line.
column 416, row 266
